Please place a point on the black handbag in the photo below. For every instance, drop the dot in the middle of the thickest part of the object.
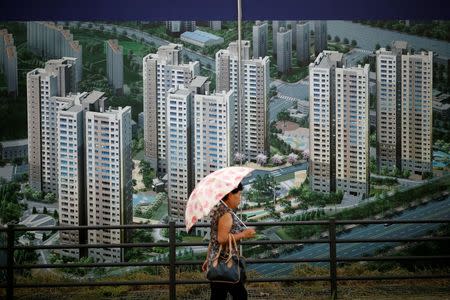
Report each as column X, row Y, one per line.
column 229, row 269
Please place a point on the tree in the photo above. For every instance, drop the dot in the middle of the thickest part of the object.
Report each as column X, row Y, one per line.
column 377, row 46
column 55, row 214
column 44, row 211
column 292, row 158
column 263, row 189
column 337, row 39
column 50, row 198
column 239, row 157
column 34, row 211
column 277, row 159
column 261, row 159
column 305, row 154
column 354, row 43
column 346, row 41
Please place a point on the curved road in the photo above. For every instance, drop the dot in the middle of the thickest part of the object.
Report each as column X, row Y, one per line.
column 432, row 210
column 148, row 38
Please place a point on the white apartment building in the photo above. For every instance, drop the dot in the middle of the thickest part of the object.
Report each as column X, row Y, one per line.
column 302, row 42
column 114, row 65
column 284, row 52
column 179, row 150
column 71, row 164
column 387, row 105
column 416, row 110
column 108, row 178
column 320, row 36
column 213, row 119
column 44, row 86
column 161, row 72
column 251, row 124
column 260, row 39
column 275, row 27
column 352, row 131
column 322, row 93
column 8, row 61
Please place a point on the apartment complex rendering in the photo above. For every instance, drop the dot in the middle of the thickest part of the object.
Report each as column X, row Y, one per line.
column 339, row 117
column 44, row 89
column 251, row 107
column 404, row 110
column 284, row 50
column 50, row 40
column 114, row 65
column 161, row 71
column 260, row 39
column 8, row 61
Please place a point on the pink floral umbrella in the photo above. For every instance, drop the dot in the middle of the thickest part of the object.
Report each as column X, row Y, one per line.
column 210, row 190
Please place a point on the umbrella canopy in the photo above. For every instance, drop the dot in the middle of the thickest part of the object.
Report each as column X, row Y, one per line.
column 210, row 190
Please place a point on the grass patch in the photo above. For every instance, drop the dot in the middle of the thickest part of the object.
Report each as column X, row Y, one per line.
column 283, row 234
column 161, row 211
column 284, row 177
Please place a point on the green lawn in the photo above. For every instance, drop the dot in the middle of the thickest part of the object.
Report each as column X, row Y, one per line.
column 283, row 235
column 137, row 48
column 284, row 177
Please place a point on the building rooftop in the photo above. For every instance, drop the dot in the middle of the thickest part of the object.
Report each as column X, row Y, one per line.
column 93, row 96
column 75, row 45
column 200, row 36
column 199, row 81
column 327, row 59
column 114, row 45
column 11, row 51
column 403, row 45
column 8, row 39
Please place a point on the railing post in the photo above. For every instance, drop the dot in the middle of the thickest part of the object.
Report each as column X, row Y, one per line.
column 333, row 268
column 10, row 261
column 82, row 240
column 172, row 253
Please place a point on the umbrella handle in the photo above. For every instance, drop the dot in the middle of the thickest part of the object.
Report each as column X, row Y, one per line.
column 235, row 215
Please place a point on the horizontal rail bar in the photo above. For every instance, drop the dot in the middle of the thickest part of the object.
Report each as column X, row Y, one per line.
column 78, row 284
column 394, row 258
column 399, row 277
column 87, row 265
column 254, row 224
column 391, row 221
column 76, row 246
column 91, row 227
column 249, row 261
column 425, row 239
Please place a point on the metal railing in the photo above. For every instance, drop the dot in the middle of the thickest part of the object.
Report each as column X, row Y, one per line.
column 172, row 263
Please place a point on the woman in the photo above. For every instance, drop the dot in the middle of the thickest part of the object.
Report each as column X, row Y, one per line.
column 224, row 222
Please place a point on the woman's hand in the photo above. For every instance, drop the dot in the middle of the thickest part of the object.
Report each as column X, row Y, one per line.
column 205, row 266
column 248, row 233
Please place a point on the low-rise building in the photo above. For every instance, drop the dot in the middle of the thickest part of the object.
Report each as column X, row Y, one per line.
column 201, row 38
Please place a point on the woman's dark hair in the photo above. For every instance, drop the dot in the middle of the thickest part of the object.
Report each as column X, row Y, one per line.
column 235, row 191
